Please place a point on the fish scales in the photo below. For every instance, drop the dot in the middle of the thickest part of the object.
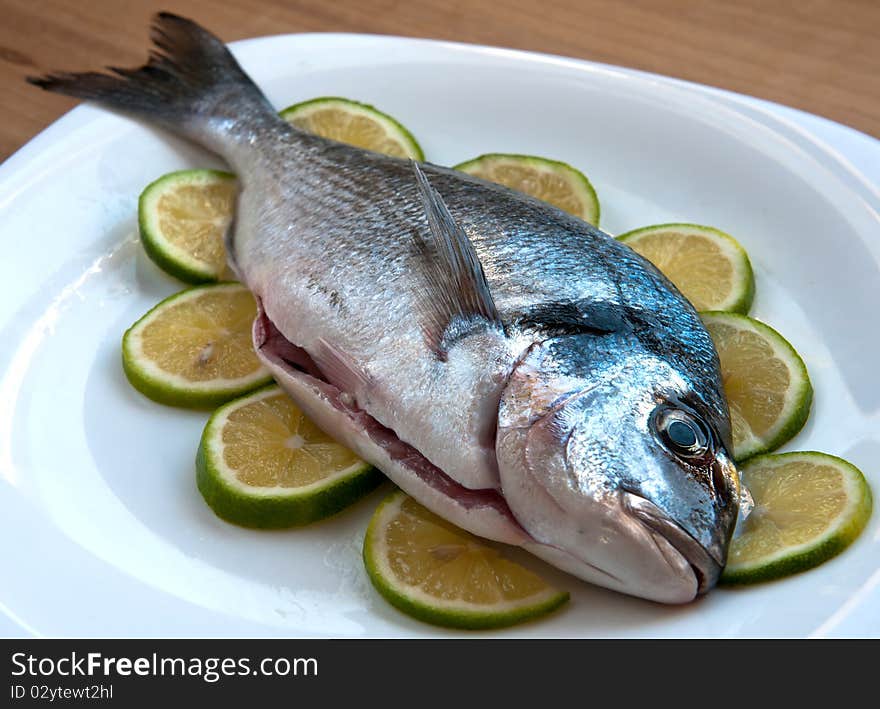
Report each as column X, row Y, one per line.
column 515, row 369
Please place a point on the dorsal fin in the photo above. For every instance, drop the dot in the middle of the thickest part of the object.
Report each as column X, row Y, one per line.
column 457, row 286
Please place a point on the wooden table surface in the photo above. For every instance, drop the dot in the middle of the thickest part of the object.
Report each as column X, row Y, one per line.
column 821, row 56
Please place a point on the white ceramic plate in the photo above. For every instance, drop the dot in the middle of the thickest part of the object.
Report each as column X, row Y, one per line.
column 102, row 531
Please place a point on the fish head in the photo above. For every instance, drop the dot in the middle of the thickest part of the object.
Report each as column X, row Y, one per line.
column 619, row 467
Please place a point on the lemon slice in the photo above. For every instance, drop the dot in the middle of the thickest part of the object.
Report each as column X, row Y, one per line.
column 440, row 574
column 708, row 266
column 183, row 217
column 549, row 180
column 808, row 508
column 261, row 463
column 765, row 380
column 194, row 349
column 354, row 123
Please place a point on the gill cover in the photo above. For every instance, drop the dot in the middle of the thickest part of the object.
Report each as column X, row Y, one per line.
column 609, row 458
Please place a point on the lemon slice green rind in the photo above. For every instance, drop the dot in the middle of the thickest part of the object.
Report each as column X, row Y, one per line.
column 708, row 266
column 355, row 123
column 765, row 380
column 552, row 181
column 182, row 219
column 809, row 507
column 250, row 475
column 441, row 575
column 194, row 350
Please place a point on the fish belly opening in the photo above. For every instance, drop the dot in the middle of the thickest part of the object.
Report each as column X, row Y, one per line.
column 273, row 345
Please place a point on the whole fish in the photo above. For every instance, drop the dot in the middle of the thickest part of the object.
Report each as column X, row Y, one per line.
column 511, row 367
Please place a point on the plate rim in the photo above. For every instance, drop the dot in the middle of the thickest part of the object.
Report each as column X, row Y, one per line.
column 84, row 113
column 30, row 156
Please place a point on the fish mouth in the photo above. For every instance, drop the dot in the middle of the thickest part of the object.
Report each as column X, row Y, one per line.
column 705, row 565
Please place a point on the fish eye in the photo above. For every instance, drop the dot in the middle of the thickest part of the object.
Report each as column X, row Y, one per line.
column 683, row 434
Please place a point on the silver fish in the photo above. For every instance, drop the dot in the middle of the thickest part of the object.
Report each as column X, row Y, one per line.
column 513, row 368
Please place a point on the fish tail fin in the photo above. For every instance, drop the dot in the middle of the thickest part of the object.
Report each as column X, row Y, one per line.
column 191, row 85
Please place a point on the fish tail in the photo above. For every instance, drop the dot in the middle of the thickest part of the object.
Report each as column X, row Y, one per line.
column 191, row 85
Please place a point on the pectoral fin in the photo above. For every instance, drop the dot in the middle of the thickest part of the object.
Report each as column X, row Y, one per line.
column 456, row 290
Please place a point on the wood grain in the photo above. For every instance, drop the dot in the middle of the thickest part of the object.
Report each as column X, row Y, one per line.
column 822, row 56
